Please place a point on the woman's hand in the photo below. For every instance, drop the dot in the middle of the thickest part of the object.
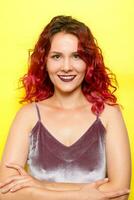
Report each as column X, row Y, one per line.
column 23, row 180
column 91, row 191
column 86, row 191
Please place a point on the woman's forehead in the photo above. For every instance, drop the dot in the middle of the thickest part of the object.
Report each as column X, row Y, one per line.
column 64, row 41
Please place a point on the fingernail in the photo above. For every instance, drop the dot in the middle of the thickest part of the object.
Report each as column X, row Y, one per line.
column 7, row 164
column 3, row 191
column 106, row 179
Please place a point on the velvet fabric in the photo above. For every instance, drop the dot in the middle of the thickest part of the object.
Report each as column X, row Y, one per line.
column 82, row 162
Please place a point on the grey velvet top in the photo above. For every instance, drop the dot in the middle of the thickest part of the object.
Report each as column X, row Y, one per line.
column 82, row 162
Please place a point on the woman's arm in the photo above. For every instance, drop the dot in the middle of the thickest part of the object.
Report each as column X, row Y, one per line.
column 17, row 146
column 16, row 151
column 88, row 192
column 117, row 155
column 36, row 193
column 117, row 152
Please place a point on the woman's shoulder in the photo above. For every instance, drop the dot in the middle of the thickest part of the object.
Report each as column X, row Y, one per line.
column 26, row 109
column 30, row 111
column 111, row 112
column 27, row 114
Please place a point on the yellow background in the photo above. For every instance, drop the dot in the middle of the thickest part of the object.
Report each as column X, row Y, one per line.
column 21, row 22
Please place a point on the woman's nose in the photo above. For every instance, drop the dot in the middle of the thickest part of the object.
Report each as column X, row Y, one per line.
column 66, row 65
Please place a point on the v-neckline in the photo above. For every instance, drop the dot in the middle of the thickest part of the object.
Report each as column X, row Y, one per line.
column 75, row 142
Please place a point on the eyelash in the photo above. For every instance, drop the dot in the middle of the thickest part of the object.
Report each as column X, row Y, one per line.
column 76, row 55
column 57, row 56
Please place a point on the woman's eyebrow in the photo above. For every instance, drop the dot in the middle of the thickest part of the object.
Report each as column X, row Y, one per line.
column 62, row 53
column 55, row 52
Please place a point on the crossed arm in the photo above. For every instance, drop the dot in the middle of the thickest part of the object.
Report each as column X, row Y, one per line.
column 23, row 186
column 118, row 166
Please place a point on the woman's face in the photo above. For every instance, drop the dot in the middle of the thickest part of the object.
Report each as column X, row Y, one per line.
column 65, row 68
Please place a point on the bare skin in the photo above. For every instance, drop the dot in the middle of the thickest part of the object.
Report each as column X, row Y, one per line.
column 72, row 117
column 45, row 108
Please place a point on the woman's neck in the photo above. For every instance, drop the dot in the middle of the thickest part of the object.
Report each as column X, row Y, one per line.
column 69, row 100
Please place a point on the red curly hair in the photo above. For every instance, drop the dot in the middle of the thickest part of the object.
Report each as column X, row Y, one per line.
column 97, row 85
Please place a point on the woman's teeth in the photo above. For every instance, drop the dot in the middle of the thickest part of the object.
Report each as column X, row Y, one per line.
column 66, row 78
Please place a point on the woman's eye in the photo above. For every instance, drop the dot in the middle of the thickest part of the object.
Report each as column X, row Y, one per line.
column 76, row 56
column 56, row 56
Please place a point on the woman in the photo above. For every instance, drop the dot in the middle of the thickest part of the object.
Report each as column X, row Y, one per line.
column 71, row 133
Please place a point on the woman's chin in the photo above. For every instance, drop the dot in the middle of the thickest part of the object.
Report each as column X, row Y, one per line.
column 66, row 90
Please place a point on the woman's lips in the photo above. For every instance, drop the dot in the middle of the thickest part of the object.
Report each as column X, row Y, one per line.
column 66, row 78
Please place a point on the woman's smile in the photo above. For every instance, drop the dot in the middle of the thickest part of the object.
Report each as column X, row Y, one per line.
column 65, row 67
column 67, row 78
